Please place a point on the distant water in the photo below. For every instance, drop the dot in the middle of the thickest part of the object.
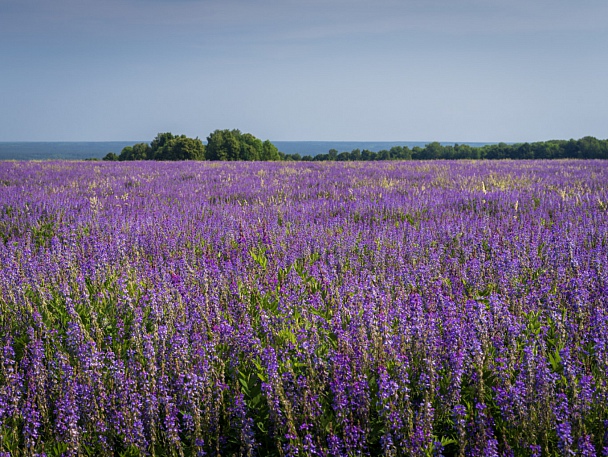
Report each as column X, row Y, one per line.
column 73, row 150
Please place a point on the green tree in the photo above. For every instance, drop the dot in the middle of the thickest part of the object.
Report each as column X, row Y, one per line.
column 406, row 154
column 571, row 149
column 126, row 153
column 589, row 148
column 167, row 146
column 396, row 152
column 460, row 151
column 223, row 145
column 417, row 153
column 158, row 143
column 270, row 151
column 111, row 156
column 433, row 151
column 522, row 151
column 496, row 151
column 141, row 151
column 184, row 148
column 234, row 145
column 383, row 154
column 251, row 147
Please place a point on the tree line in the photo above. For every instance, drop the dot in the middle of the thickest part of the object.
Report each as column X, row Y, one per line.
column 584, row 148
column 234, row 145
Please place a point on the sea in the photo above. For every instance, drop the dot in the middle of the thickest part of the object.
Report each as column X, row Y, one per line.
column 83, row 150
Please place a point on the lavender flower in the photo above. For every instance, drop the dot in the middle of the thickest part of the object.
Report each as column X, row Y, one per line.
column 304, row 308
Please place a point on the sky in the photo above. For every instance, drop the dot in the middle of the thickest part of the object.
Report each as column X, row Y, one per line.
column 326, row 70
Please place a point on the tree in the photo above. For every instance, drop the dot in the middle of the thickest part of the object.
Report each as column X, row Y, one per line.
column 417, row 153
column 270, row 151
column 433, row 151
column 167, row 146
column 571, row 149
column 251, row 147
column 396, row 152
column 141, row 151
column 126, row 153
column 234, row 145
column 589, row 148
column 223, row 145
column 111, row 156
column 383, row 154
column 495, row 151
column 158, row 143
column 464, row 151
column 184, row 148
column 522, row 151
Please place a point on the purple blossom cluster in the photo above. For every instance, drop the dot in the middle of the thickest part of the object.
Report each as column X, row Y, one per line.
column 310, row 309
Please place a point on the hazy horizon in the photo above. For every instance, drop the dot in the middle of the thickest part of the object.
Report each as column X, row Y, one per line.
column 465, row 71
column 79, row 150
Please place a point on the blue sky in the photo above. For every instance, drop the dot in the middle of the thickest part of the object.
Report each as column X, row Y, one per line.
column 422, row 70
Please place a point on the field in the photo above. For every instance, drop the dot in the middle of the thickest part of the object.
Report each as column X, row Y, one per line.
column 329, row 309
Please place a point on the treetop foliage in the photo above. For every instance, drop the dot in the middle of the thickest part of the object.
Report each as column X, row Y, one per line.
column 234, row 145
column 165, row 146
column 221, row 145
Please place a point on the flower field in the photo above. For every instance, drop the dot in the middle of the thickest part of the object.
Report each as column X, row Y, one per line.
column 311, row 309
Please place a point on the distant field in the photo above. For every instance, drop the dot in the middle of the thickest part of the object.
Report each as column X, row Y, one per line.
column 275, row 309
